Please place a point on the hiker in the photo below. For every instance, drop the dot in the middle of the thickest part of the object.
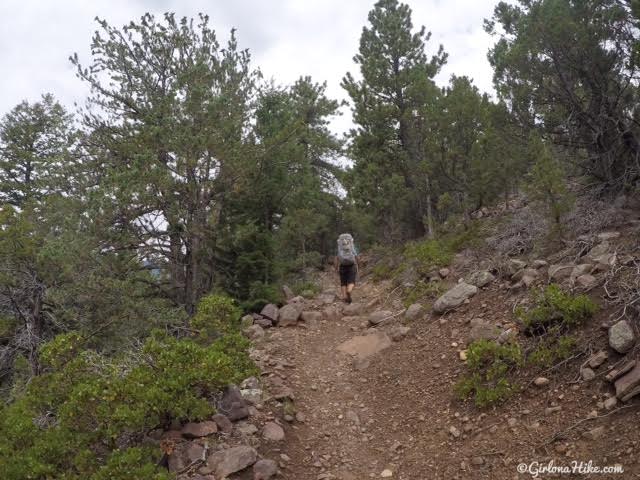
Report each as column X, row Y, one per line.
column 346, row 265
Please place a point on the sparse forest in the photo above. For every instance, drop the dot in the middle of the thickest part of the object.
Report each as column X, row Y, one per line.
column 137, row 230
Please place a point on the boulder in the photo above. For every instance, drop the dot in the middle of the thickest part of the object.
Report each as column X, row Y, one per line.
column 454, row 297
column 310, row 316
column 586, row 281
column 379, row 316
column 270, row 311
column 628, row 385
column 265, row 469
column 514, row 265
column 288, row 293
column 225, row 462
column 525, row 272
column 199, row 429
column 559, row 272
column 480, row 279
column 288, row 315
column 598, row 359
column 326, row 298
column 621, row 337
column 414, row 312
column 273, row 432
column 366, row 346
column 224, row 424
column 252, row 395
column 264, row 322
column 232, row 405
column 483, row 331
column 352, row 310
column 254, row 332
column 249, row 382
column 299, row 301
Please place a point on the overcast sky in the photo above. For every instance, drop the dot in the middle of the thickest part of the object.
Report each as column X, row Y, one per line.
column 287, row 38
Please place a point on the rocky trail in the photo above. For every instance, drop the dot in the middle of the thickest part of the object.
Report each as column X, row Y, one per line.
column 366, row 390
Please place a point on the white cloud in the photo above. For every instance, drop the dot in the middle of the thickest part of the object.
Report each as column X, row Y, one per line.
column 287, row 38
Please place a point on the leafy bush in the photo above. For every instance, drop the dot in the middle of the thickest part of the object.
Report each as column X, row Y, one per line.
column 551, row 350
column 306, row 289
column 554, row 306
column 83, row 418
column 261, row 294
column 489, row 365
column 423, row 290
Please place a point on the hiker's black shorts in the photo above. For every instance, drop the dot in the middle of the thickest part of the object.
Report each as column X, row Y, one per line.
column 347, row 274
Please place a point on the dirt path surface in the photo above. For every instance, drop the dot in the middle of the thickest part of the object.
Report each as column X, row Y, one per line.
column 394, row 414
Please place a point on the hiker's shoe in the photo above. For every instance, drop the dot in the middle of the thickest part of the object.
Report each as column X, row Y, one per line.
column 348, row 300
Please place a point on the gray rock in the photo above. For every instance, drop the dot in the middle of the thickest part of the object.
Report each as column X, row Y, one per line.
column 514, row 265
column 254, row 332
column 559, row 272
column 627, row 385
column 232, row 405
column 610, row 403
column 378, row 317
column 270, row 311
column 199, row 429
column 444, row 272
column 311, row 316
column 483, row 331
column 288, row 316
column 232, row 460
column 366, row 346
column 413, row 312
column 331, row 314
column 398, row 332
column 586, row 281
column 273, row 432
column 621, row 337
column 597, row 251
column 541, row 382
column 246, row 429
column 618, row 372
column 598, row 359
column 265, row 469
column 264, row 322
column 352, row 310
column 326, row 298
column 582, row 269
column 480, row 279
column 525, row 272
column 454, row 297
column 587, row 374
column 224, row 424
column 252, row 395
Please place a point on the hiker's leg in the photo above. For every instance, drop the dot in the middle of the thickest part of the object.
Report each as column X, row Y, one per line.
column 343, row 290
column 350, row 287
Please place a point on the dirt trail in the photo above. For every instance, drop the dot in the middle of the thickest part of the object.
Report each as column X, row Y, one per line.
column 400, row 414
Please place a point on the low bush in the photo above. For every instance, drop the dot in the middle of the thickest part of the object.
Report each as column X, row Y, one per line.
column 490, row 364
column 423, row 291
column 84, row 417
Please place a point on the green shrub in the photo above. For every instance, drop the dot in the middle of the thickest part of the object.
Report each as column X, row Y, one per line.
column 382, row 271
column 84, row 400
column 554, row 306
column 552, row 349
column 423, row 291
column 306, row 289
column 260, row 294
column 216, row 315
column 489, row 365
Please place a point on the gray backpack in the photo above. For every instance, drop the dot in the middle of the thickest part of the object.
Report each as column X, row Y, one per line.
column 346, row 250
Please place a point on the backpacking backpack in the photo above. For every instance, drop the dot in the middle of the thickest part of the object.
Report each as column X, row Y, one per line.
column 346, row 250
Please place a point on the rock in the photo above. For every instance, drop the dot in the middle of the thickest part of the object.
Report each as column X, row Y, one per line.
column 541, row 382
column 525, row 272
column 399, row 332
column 586, row 281
column 483, row 331
column 444, row 272
column 606, row 236
column 311, row 317
column 246, row 429
column 454, row 297
column 454, row 432
column 326, row 298
column 264, row 322
column 514, row 265
column 604, row 262
column 297, row 302
column 380, row 316
column 366, row 346
column 480, row 279
column 352, row 310
column 270, row 311
column 621, row 337
column 627, row 384
column 507, row 336
column 272, row 432
column 386, row 473
column 225, row 462
column 199, row 429
column 288, row 293
column 598, row 359
column 331, row 314
column 610, row 403
column 594, row 433
column 232, row 405
column 559, row 272
column 254, row 332
column 477, row 461
column 224, row 424
column 550, row 410
column 252, row 395
column 539, row 264
column 463, row 355
column 582, row 269
column 413, row 312
column 246, row 321
column 597, row 251
column 288, row 316
column 618, row 372
column 587, row 374
column 250, row 383
column 265, row 469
